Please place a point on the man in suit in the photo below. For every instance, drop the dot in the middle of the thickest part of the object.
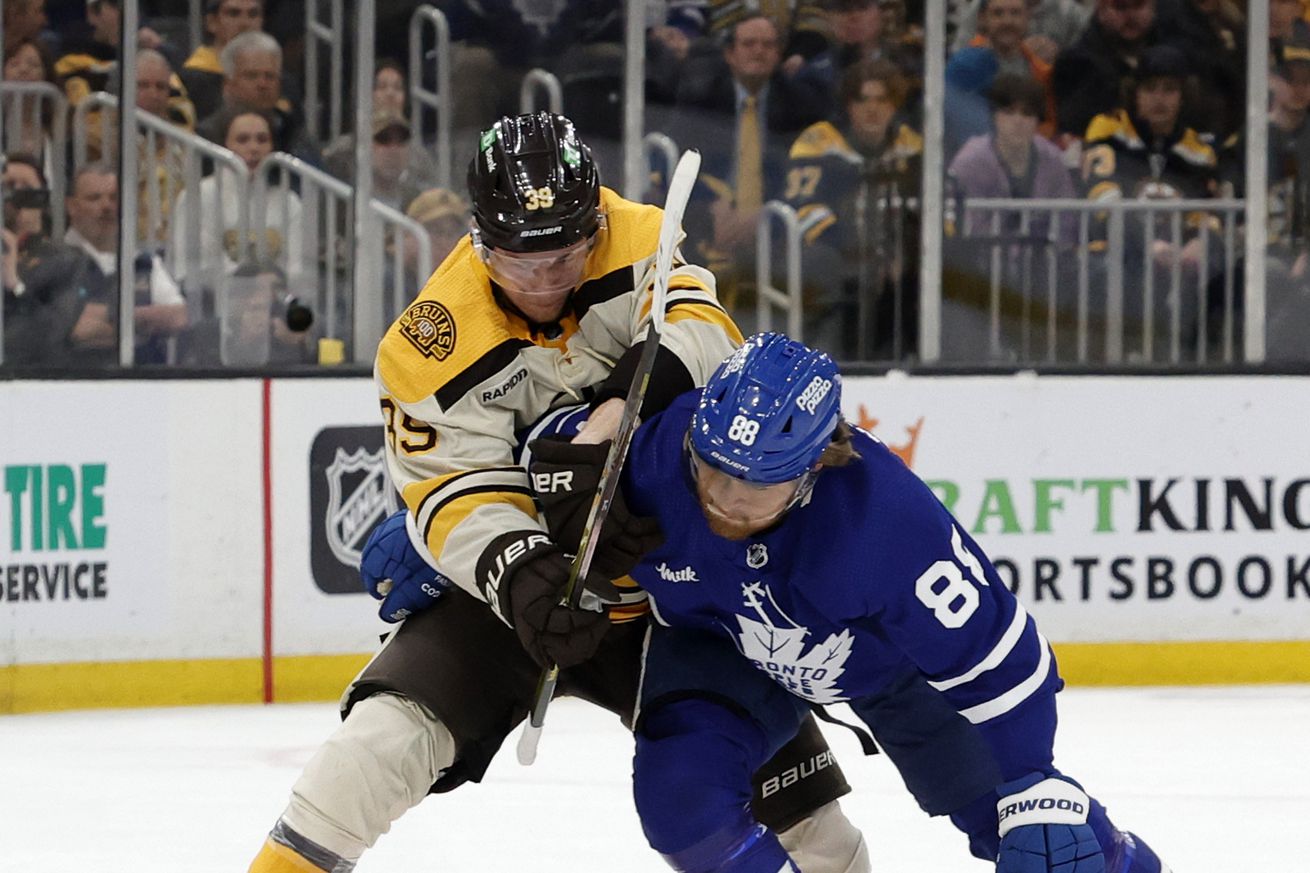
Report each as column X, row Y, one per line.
column 743, row 114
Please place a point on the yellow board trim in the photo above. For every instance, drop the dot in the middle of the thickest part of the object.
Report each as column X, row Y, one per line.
column 1202, row 663
column 309, row 678
column 118, row 684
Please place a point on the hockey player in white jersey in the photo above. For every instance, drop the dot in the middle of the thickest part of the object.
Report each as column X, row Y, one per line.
column 543, row 305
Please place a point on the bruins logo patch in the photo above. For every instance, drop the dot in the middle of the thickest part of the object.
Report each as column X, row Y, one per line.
column 430, row 328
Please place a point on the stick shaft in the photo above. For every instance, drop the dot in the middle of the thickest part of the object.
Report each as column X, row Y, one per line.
column 680, row 185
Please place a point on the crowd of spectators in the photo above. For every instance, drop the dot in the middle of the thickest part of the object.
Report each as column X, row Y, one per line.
column 820, row 105
column 213, row 286
column 815, row 103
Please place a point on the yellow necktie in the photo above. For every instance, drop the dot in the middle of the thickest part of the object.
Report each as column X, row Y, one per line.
column 750, row 165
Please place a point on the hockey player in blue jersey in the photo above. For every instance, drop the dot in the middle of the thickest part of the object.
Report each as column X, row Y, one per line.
column 804, row 564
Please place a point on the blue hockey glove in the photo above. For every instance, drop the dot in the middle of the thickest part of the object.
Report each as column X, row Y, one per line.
column 396, row 573
column 1043, row 828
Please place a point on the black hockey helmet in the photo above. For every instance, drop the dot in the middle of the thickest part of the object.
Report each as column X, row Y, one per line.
column 533, row 185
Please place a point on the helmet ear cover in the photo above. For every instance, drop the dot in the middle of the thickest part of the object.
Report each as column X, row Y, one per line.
column 533, row 185
column 768, row 411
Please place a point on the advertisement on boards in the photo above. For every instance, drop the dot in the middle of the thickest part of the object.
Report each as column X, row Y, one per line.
column 1120, row 510
column 123, row 510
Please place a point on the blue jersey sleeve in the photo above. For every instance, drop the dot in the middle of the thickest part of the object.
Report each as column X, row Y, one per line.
column 937, row 598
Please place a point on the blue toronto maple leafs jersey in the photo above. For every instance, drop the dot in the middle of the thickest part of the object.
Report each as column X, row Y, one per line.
column 868, row 581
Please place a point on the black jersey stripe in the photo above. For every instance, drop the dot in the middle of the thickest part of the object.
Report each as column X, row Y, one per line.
column 593, row 292
column 486, row 366
column 468, row 492
column 457, row 477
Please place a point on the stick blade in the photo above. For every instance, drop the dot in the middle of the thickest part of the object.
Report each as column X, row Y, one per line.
column 527, row 745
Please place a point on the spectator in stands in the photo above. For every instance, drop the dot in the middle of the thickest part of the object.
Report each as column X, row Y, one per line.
column 31, row 62
column 23, row 20
column 1089, row 76
column 263, row 323
column 1287, row 259
column 1286, row 23
column 857, row 253
column 1003, row 28
column 1145, row 150
column 1054, row 25
column 393, row 182
column 1211, row 34
column 445, row 216
column 802, row 28
column 390, row 100
column 858, row 34
column 159, row 311
column 496, row 42
column 969, row 75
column 252, row 78
column 668, row 46
column 41, row 277
column 203, row 71
column 1013, row 162
column 160, row 93
column 89, row 58
column 742, row 120
column 249, row 134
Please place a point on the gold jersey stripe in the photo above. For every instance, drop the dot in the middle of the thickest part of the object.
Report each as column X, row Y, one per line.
column 688, row 310
column 460, row 507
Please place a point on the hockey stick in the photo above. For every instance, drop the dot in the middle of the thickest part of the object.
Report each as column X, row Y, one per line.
column 675, row 204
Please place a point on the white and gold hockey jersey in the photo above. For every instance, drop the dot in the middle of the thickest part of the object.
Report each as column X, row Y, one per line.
column 459, row 376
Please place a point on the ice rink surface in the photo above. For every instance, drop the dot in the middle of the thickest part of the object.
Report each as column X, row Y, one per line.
column 1218, row 779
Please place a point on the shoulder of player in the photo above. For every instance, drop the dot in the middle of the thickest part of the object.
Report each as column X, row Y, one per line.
column 656, row 453
column 880, row 508
column 632, row 233
column 451, row 338
column 819, row 140
column 1115, row 128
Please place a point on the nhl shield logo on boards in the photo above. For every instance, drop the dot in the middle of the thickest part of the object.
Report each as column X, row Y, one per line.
column 359, row 496
column 349, row 493
column 430, row 328
column 757, row 555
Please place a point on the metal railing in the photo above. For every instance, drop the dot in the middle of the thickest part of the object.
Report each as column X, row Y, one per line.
column 536, row 80
column 1149, row 290
column 438, row 99
column 24, row 107
column 396, row 227
column 661, row 145
column 330, row 33
column 768, row 297
column 184, row 152
column 322, row 239
column 323, row 223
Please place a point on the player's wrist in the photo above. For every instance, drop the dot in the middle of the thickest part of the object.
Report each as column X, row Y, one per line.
column 501, row 563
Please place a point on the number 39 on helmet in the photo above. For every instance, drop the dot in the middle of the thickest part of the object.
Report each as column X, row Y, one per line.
column 769, row 410
column 533, row 185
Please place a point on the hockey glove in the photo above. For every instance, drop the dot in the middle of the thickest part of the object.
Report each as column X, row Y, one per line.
column 523, row 575
column 565, row 477
column 396, row 573
column 1043, row 828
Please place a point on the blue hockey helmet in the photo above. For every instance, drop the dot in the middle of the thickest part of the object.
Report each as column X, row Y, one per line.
column 769, row 410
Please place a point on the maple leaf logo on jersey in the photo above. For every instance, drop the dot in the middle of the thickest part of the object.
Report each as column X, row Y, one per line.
column 779, row 649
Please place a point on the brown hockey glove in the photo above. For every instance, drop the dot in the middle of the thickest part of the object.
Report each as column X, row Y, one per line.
column 565, row 477
column 523, row 575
